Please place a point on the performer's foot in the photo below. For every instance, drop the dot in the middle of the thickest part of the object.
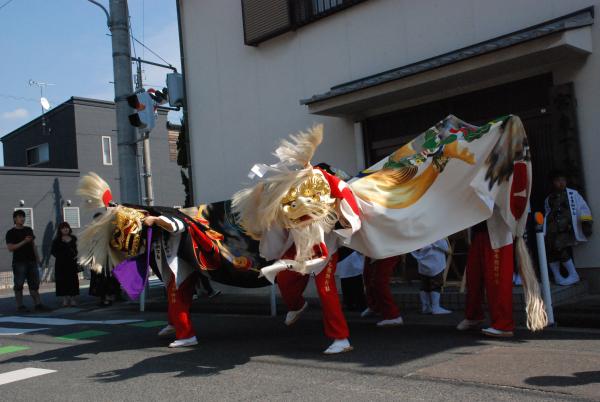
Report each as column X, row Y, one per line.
column 181, row 343
column 166, row 331
column 555, row 269
column 435, row 304
column 367, row 313
column 570, row 280
column 425, row 302
column 496, row 333
column 469, row 324
column 293, row 316
column 391, row 323
column 338, row 346
column 517, row 279
column 438, row 310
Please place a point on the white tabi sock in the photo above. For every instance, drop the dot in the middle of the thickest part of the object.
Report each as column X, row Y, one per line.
column 573, row 275
column 555, row 268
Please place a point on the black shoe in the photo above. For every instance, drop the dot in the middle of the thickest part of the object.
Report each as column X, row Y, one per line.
column 40, row 307
column 22, row 309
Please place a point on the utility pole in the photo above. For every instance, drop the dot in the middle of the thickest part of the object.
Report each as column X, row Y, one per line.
column 126, row 134
column 149, row 199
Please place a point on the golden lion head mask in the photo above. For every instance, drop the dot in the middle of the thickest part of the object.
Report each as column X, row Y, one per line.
column 127, row 234
column 309, row 201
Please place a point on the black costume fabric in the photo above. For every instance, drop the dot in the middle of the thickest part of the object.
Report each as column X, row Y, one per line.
column 65, row 268
column 560, row 236
column 217, row 245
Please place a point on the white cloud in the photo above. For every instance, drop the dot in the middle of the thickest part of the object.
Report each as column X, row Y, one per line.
column 18, row 113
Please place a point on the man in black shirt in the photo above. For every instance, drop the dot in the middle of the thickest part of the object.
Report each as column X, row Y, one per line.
column 20, row 241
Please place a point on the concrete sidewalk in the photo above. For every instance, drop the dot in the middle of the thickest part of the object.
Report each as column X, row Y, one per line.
column 584, row 313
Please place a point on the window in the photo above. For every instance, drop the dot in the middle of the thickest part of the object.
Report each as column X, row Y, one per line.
column 320, row 6
column 106, row 151
column 265, row 19
column 28, row 216
column 71, row 216
column 38, row 154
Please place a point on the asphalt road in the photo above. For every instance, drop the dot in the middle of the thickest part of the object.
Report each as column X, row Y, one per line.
column 255, row 357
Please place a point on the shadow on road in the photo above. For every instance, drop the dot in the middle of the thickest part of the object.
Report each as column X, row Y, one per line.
column 582, row 378
column 226, row 342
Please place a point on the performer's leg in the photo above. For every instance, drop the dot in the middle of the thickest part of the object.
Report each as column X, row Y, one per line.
column 370, row 287
column 180, row 301
column 424, row 294
column 291, row 286
column 474, row 298
column 573, row 276
column 498, row 285
column 333, row 317
column 383, row 273
column 436, row 284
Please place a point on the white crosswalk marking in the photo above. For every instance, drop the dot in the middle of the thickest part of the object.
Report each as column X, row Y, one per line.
column 61, row 321
column 22, row 374
column 18, row 331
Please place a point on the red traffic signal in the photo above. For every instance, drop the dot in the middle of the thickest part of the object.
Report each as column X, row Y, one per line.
column 144, row 118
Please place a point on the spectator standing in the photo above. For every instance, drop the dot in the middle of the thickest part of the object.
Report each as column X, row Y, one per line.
column 568, row 223
column 432, row 262
column 64, row 250
column 20, row 241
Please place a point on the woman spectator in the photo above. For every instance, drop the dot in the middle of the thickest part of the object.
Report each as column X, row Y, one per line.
column 64, row 249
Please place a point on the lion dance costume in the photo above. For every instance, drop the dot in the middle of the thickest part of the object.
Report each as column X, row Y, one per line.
column 182, row 244
column 300, row 214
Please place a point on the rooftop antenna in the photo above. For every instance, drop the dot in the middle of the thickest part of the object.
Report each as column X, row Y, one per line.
column 43, row 100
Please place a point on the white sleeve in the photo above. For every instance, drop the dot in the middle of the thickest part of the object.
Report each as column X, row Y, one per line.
column 583, row 210
column 273, row 243
column 443, row 245
column 175, row 224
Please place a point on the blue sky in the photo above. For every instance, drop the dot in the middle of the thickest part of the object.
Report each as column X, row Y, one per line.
column 66, row 42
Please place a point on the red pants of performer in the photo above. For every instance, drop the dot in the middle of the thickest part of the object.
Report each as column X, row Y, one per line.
column 492, row 269
column 292, row 284
column 377, row 287
column 180, row 301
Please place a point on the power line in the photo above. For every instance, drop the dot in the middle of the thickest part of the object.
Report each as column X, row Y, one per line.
column 151, row 51
column 5, row 4
column 21, row 98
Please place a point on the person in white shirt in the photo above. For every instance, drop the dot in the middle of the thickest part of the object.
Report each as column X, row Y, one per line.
column 432, row 262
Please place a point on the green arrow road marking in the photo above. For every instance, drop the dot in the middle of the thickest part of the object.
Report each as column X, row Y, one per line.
column 149, row 324
column 11, row 349
column 82, row 335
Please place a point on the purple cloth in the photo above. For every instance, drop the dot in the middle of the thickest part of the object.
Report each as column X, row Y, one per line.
column 132, row 273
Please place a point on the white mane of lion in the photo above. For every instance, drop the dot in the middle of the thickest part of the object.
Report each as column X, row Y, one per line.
column 259, row 207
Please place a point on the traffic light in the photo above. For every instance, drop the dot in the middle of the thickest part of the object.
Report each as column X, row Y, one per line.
column 175, row 88
column 159, row 97
column 144, row 117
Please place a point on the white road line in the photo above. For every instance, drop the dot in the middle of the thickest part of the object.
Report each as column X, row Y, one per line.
column 23, row 374
column 18, row 331
column 60, row 321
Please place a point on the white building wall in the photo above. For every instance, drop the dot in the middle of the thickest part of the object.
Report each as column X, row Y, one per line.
column 242, row 100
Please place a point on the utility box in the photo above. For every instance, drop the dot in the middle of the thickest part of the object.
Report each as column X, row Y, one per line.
column 175, row 88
